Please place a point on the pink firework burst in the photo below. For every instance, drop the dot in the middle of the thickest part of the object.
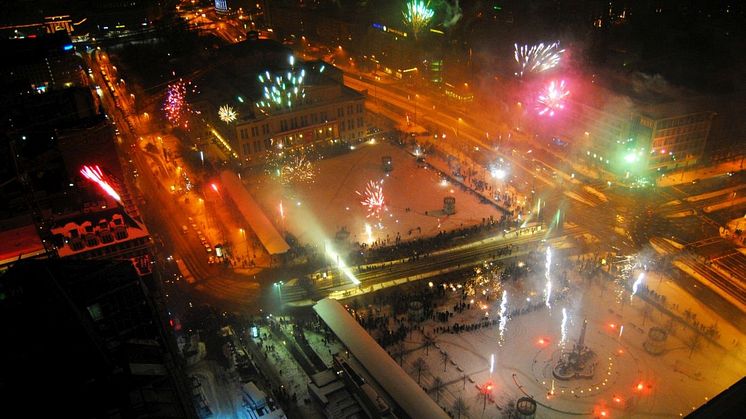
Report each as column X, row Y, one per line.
column 176, row 107
column 552, row 98
column 373, row 199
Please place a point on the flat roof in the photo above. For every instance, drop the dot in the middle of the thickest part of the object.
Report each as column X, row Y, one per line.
column 19, row 243
column 389, row 375
column 253, row 214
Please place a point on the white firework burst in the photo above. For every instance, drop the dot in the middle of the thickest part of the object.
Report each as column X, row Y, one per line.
column 227, row 114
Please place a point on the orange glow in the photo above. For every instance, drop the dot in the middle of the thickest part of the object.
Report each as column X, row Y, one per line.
column 214, row 187
column 640, row 386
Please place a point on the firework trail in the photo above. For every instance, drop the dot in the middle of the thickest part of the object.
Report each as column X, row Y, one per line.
column 418, row 15
column 94, row 174
column 373, row 198
column 503, row 315
column 552, row 98
column 537, row 58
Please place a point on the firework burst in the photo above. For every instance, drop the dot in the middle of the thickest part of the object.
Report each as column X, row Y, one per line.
column 418, row 15
column 227, row 114
column 281, row 91
column 552, row 98
column 373, row 198
column 176, row 107
column 537, row 58
column 298, row 170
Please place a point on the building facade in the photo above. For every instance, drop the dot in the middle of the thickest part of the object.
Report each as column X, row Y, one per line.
column 332, row 113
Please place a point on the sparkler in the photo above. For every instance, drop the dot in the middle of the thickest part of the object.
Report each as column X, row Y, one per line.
column 176, row 107
column 418, row 15
column 281, row 91
column 503, row 314
column 563, row 328
column 537, row 58
column 227, row 114
column 552, row 98
column 94, row 174
column 373, row 198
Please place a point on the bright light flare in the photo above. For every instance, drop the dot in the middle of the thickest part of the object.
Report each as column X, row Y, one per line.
column 552, row 98
column 94, row 174
column 499, row 174
column 417, row 15
column 548, row 286
column 537, row 58
column 227, row 114
column 373, row 199
column 369, row 233
column 637, row 283
column 341, row 265
column 503, row 314
column 563, row 328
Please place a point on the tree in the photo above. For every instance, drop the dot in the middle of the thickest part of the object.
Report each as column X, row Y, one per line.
column 460, row 408
column 437, row 387
column 646, row 312
column 399, row 351
column 694, row 342
column 419, row 366
column 446, row 358
column 428, row 341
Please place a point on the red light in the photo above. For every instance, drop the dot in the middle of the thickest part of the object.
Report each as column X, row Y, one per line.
column 171, row 322
column 94, row 174
column 612, row 325
column 640, row 386
column 489, row 387
column 603, row 413
column 617, row 399
column 214, row 187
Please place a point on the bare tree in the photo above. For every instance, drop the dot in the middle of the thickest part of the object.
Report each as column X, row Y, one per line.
column 694, row 342
column 646, row 312
column 437, row 387
column 460, row 408
column 419, row 365
column 428, row 341
column 399, row 351
column 444, row 355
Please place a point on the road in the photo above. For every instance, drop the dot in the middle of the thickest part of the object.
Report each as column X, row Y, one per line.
column 464, row 256
column 162, row 211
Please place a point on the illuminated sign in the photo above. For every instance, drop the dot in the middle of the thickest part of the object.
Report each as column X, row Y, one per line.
column 68, row 47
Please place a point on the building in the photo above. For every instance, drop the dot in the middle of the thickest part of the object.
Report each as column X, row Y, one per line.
column 275, row 105
column 103, row 231
column 407, row 398
column 41, row 63
column 90, row 340
column 635, row 133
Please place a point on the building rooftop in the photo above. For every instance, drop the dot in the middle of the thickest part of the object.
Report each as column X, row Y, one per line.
column 398, row 384
column 87, row 231
column 19, row 243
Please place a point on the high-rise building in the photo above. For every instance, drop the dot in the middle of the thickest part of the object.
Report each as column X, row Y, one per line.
column 87, row 339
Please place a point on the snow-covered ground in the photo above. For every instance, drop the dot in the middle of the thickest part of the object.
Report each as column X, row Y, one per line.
column 414, row 196
column 628, row 381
